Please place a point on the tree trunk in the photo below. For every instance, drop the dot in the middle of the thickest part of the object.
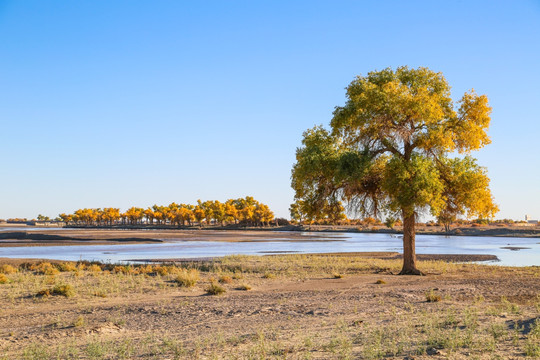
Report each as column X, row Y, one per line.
column 409, row 252
column 447, row 227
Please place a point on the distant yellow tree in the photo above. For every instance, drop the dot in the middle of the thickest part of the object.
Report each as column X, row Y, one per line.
column 231, row 212
column 199, row 214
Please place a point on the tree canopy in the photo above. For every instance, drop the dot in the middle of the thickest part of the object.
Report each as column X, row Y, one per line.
column 399, row 146
column 247, row 211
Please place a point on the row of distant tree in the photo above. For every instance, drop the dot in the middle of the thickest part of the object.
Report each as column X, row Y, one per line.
column 247, row 211
column 330, row 212
column 325, row 219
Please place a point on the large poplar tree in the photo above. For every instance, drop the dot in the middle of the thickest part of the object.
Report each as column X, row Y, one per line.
column 399, row 146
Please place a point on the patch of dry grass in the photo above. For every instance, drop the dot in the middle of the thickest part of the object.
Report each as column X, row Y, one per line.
column 215, row 289
column 7, row 269
column 475, row 328
column 187, row 278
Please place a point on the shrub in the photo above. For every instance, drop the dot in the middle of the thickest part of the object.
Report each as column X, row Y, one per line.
column 145, row 269
column 238, row 275
column 244, row 287
column 268, row 275
column 79, row 322
column 68, row 267
column 44, row 293
column 63, row 290
column 225, row 279
column 161, row 270
column 120, row 269
column 45, row 268
column 7, row 269
column 3, row 279
column 431, row 296
column 94, row 268
column 215, row 289
column 187, row 278
column 281, row 221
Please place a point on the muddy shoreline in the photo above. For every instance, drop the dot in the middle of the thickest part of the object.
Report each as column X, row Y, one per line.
column 115, row 237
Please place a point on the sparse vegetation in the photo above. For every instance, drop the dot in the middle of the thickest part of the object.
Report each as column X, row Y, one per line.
column 432, row 296
column 3, row 279
column 187, row 278
column 215, row 289
column 79, row 322
column 375, row 327
column 225, row 279
column 7, row 269
column 269, row 275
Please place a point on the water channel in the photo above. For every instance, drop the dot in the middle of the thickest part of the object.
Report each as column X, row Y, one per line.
column 511, row 251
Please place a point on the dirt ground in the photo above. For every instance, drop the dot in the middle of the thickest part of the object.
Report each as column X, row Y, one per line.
column 298, row 307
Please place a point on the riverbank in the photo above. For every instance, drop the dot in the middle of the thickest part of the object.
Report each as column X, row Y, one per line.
column 115, row 236
column 90, row 236
column 328, row 306
column 498, row 230
column 457, row 258
column 468, row 230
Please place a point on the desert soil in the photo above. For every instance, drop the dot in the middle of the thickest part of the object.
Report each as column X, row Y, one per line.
column 484, row 312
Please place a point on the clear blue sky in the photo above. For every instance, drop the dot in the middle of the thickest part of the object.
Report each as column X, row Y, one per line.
column 121, row 103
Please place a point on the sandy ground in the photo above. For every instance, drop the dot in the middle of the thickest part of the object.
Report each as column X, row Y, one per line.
column 284, row 317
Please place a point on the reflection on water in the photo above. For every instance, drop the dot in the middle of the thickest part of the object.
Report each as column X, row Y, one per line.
column 348, row 242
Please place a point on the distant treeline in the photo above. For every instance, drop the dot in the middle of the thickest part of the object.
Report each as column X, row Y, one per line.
column 247, row 211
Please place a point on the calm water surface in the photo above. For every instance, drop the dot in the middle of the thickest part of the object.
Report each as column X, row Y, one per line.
column 340, row 242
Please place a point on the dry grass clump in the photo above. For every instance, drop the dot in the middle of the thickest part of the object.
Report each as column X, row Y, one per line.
column 7, row 269
column 532, row 346
column 244, row 287
column 79, row 322
column 65, row 290
column 337, row 275
column 380, row 282
column 122, row 269
column 45, row 268
column 187, row 278
column 94, row 268
column 268, row 275
column 3, row 279
column 225, row 279
column 215, row 289
column 431, row 296
column 44, row 293
column 162, row 270
column 145, row 269
column 68, row 267
column 237, row 275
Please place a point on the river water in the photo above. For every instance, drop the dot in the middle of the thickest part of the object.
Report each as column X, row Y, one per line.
column 335, row 242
